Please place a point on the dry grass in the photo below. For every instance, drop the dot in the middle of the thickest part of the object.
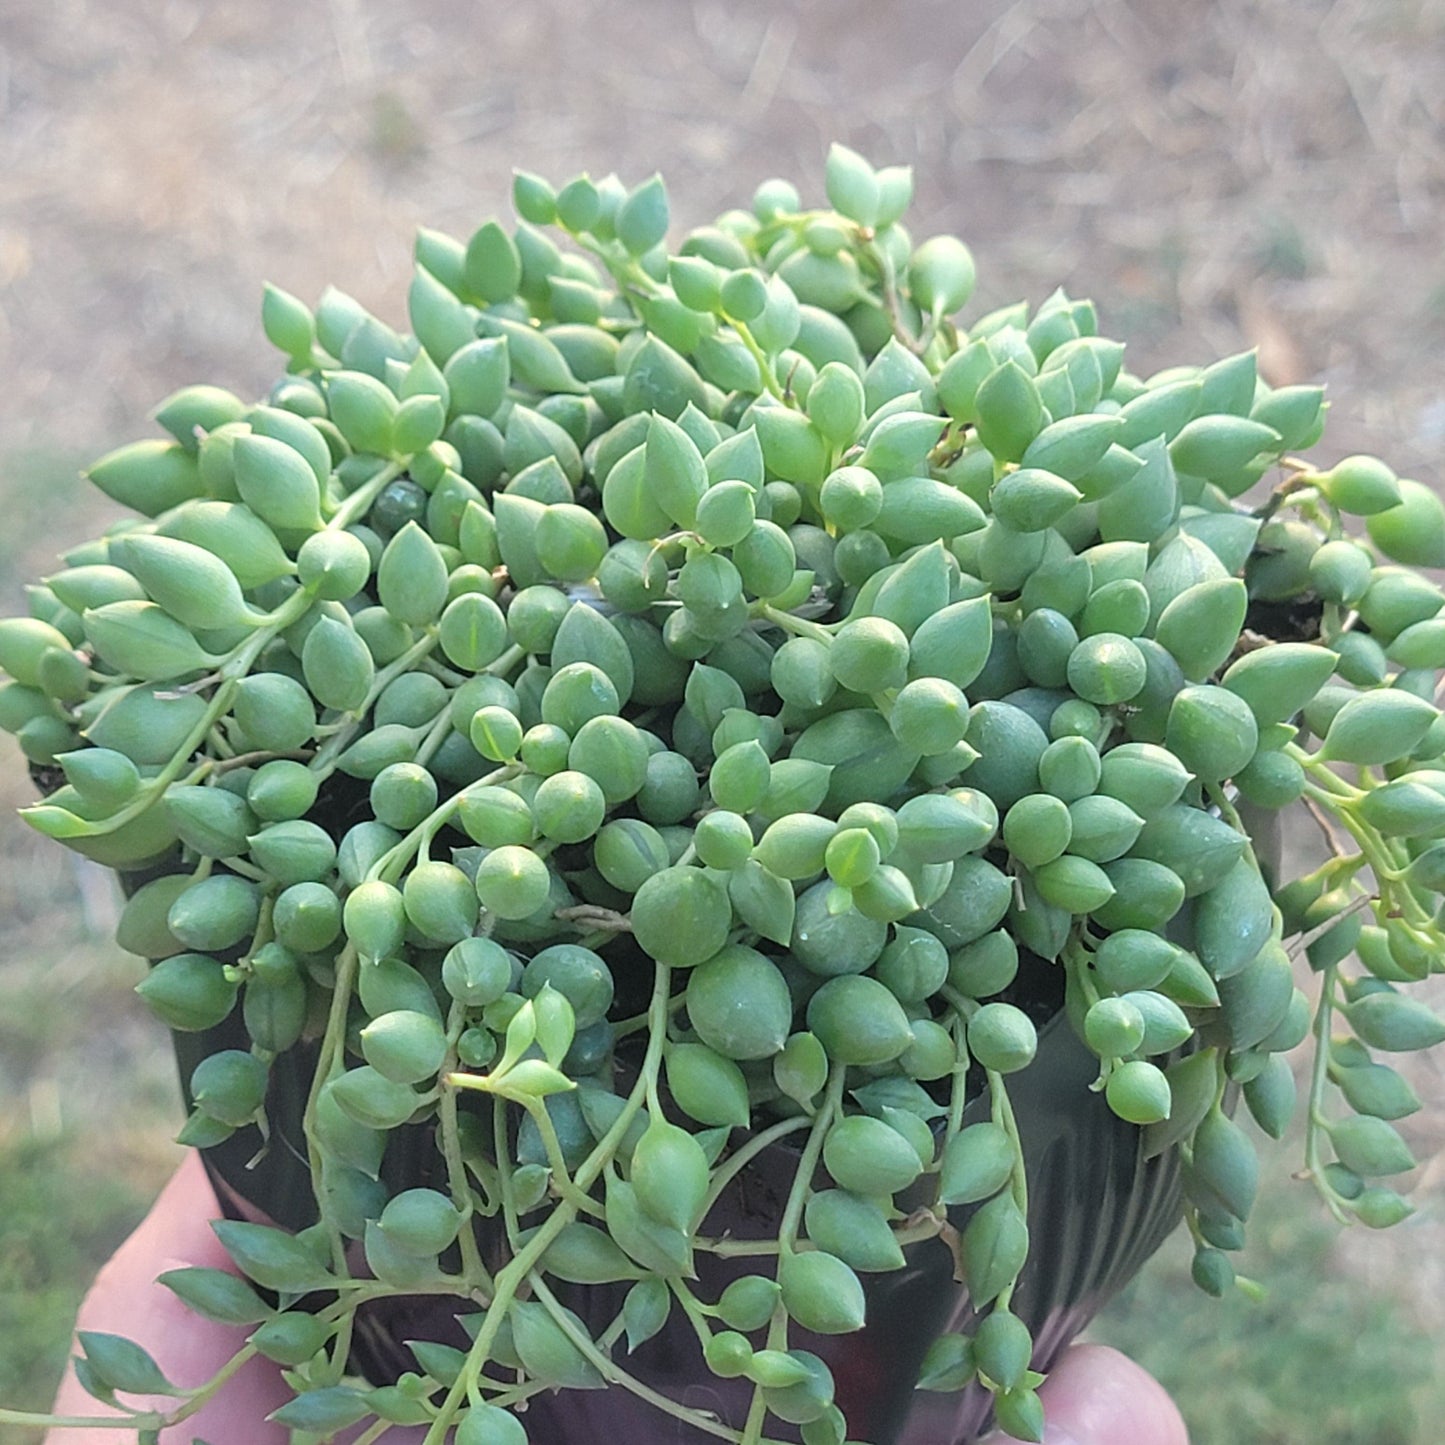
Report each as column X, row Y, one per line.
column 1220, row 174
column 1223, row 174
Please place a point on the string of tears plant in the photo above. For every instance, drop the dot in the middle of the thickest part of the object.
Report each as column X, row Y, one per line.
column 628, row 728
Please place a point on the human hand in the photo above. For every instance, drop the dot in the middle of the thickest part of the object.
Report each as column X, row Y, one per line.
column 125, row 1300
column 190, row 1349
column 1096, row 1396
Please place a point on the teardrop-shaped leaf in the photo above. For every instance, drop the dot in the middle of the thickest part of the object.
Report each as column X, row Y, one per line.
column 995, row 1244
column 585, row 635
column 411, row 579
column 124, row 1365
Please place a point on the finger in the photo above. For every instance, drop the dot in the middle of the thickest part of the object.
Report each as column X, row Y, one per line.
column 126, row 1300
column 1097, row 1396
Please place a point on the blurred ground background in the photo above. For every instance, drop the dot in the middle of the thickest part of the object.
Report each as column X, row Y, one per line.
column 1217, row 175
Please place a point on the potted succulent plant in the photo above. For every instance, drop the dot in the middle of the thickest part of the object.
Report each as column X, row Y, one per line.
column 707, row 832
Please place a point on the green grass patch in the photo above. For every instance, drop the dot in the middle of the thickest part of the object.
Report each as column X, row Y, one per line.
column 49, row 506
column 61, row 1217
column 1328, row 1356
column 92, row 1103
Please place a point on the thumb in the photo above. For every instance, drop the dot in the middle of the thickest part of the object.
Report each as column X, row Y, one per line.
column 1096, row 1396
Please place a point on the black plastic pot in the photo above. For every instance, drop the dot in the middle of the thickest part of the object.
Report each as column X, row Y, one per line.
column 1098, row 1208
